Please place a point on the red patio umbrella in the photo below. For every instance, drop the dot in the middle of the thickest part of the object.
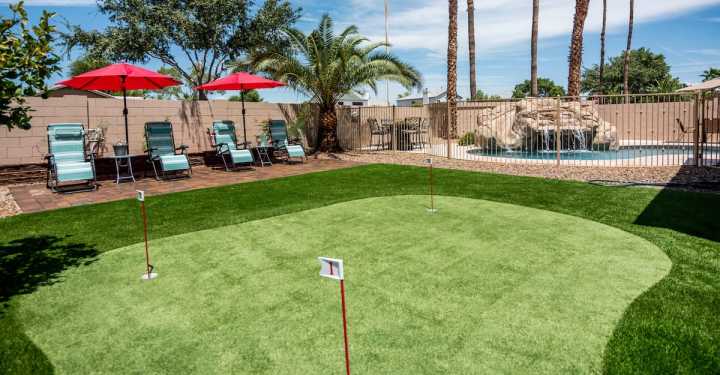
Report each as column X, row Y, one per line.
column 120, row 77
column 241, row 81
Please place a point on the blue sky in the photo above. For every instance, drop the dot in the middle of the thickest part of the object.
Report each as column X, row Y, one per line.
column 684, row 31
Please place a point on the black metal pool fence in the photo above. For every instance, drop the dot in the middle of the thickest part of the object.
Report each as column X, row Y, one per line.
column 604, row 130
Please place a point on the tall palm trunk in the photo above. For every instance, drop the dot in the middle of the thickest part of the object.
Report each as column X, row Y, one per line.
column 471, row 47
column 452, row 69
column 533, row 49
column 626, row 60
column 576, row 47
column 601, row 88
column 327, row 134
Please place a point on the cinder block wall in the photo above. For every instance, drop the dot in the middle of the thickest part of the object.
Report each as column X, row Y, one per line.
column 190, row 122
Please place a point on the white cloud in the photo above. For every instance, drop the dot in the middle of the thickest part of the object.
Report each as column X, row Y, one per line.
column 500, row 23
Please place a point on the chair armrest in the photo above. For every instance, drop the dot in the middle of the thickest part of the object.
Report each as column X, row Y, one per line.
column 221, row 147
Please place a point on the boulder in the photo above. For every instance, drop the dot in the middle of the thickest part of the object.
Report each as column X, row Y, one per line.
column 530, row 122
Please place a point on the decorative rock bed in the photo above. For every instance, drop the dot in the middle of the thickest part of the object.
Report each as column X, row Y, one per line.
column 8, row 207
column 691, row 178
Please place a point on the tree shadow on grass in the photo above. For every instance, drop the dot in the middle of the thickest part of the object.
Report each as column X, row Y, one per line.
column 693, row 213
column 25, row 265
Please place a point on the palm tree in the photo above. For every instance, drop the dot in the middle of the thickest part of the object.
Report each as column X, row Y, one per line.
column 325, row 66
column 626, row 62
column 471, row 47
column 452, row 69
column 602, row 48
column 533, row 49
column 576, row 47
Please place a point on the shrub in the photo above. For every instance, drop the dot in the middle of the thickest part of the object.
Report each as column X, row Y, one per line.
column 467, row 139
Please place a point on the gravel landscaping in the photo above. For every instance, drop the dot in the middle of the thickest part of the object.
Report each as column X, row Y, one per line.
column 8, row 207
column 707, row 179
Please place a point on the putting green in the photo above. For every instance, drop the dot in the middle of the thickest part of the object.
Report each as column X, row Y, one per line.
column 479, row 287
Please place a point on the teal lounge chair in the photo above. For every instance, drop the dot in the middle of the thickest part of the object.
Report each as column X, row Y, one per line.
column 162, row 153
column 68, row 162
column 284, row 148
column 223, row 138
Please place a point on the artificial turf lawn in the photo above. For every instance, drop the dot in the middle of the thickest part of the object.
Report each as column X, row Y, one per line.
column 479, row 287
column 671, row 328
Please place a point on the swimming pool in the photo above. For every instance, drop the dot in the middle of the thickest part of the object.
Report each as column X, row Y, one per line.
column 627, row 152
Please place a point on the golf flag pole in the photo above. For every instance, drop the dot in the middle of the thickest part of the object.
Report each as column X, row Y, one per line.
column 432, row 208
column 149, row 274
column 333, row 269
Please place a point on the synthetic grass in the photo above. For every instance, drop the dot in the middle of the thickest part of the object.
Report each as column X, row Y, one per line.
column 479, row 287
column 671, row 328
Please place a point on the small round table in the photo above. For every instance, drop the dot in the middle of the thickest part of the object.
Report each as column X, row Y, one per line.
column 127, row 165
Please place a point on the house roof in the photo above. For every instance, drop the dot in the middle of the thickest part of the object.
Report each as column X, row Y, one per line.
column 707, row 85
column 96, row 92
column 431, row 95
column 352, row 97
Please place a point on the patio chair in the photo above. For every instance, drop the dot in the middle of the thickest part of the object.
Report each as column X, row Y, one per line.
column 410, row 131
column 377, row 131
column 285, row 149
column 69, row 163
column 162, row 153
column 223, row 138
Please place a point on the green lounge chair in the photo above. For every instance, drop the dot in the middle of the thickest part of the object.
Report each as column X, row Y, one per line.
column 284, row 148
column 162, row 153
column 68, row 162
column 224, row 140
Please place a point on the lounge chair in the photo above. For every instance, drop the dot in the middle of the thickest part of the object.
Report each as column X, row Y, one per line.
column 224, row 140
column 68, row 162
column 162, row 153
column 284, row 148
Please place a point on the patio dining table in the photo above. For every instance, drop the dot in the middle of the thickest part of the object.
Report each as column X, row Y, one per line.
column 401, row 134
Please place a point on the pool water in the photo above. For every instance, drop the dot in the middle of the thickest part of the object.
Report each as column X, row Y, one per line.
column 623, row 153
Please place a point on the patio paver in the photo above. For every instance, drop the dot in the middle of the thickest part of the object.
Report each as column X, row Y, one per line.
column 36, row 197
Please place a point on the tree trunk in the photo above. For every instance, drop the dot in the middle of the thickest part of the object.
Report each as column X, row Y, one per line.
column 327, row 140
column 601, row 88
column 533, row 50
column 626, row 60
column 452, row 69
column 576, row 47
column 471, row 47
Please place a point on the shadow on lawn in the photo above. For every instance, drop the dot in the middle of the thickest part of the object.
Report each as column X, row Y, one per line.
column 696, row 214
column 30, row 262
column 25, row 265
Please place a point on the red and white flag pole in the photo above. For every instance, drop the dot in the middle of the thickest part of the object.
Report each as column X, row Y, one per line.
column 333, row 269
column 149, row 274
column 432, row 208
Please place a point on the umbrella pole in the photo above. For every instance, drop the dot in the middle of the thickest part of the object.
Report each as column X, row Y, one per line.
column 242, row 100
column 125, row 113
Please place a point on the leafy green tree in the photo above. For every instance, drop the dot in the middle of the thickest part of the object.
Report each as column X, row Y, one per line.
column 481, row 95
column 546, row 88
column 647, row 73
column 206, row 33
column 180, row 92
column 250, row 96
column 26, row 61
column 87, row 63
column 325, row 66
column 711, row 73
